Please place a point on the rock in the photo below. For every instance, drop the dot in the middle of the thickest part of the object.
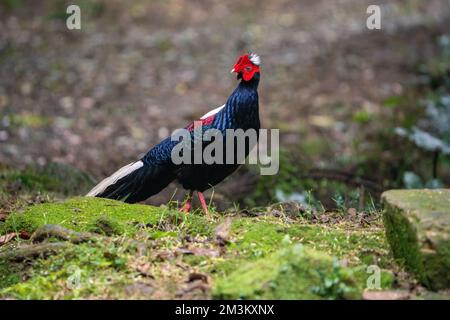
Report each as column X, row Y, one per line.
column 417, row 224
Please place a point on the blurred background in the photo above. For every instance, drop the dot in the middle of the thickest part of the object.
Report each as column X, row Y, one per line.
column 359, row 111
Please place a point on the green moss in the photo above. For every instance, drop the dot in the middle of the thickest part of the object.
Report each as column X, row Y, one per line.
column 291, row 273
column 257, row 239
column 362, row 273
column 86, row 270
column 403, row 240
column 37, row 184
column 9, row 274
column 259, row 236
column 105, row 216
column 108, row 226
column 31, row 180
column 267, row 243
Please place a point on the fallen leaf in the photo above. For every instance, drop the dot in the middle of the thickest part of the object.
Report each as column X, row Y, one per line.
column 7, row 238
column 144, row 270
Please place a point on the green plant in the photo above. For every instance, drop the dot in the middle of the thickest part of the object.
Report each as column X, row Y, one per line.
column 340, row 202
column 332, row 284
column 431, row 132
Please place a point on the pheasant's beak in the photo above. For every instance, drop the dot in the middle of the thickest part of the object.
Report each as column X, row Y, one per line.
column 232, row 70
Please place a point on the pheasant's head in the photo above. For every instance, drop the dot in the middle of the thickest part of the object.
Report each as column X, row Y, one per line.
column 246, row 66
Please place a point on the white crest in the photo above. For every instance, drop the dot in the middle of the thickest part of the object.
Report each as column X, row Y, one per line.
column 255, row 59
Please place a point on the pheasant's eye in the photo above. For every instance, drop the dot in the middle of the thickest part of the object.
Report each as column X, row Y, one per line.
column 248, row 68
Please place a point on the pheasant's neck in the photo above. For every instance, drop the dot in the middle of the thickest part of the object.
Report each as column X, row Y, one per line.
column 252, row 84
column 242, row 106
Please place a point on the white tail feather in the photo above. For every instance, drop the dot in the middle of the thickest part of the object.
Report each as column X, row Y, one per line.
column 116, row 176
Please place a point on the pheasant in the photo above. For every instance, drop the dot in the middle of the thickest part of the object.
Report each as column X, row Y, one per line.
column 141, row 179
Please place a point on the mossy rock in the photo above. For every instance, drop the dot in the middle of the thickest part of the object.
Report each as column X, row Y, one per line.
column 295, row 272
column 417, row 226
column 104, row 216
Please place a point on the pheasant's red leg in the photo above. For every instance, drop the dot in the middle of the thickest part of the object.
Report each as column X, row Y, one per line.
column 188, row 204
column 201, row 197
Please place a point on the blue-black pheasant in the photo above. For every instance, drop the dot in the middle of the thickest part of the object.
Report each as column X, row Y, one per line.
column 139, row 180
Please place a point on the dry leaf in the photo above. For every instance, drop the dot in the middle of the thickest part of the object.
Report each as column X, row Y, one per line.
column 144, row 269
column 7, row 238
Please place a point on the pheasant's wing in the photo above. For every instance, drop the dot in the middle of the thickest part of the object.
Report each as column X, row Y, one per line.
column 140, row 180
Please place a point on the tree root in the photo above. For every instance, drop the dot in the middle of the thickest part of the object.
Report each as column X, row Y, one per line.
column 44, row 249
column 56, row 231
column 33, row 251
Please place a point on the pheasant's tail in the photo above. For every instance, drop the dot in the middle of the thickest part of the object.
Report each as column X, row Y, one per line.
column 134, row 182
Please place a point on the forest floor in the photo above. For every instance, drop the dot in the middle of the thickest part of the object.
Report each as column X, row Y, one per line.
column 58, row 247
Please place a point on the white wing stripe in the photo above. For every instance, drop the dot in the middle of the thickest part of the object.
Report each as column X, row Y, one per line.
column 212, row 112
column 116, row 176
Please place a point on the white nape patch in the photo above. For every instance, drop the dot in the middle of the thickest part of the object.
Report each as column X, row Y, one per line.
column 116, row 176
column 255, row 59
column 212, row 112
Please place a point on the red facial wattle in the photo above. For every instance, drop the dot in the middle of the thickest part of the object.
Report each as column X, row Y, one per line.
column 245, row 66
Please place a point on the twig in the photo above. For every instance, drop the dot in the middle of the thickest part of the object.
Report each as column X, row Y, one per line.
column 61, row 233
